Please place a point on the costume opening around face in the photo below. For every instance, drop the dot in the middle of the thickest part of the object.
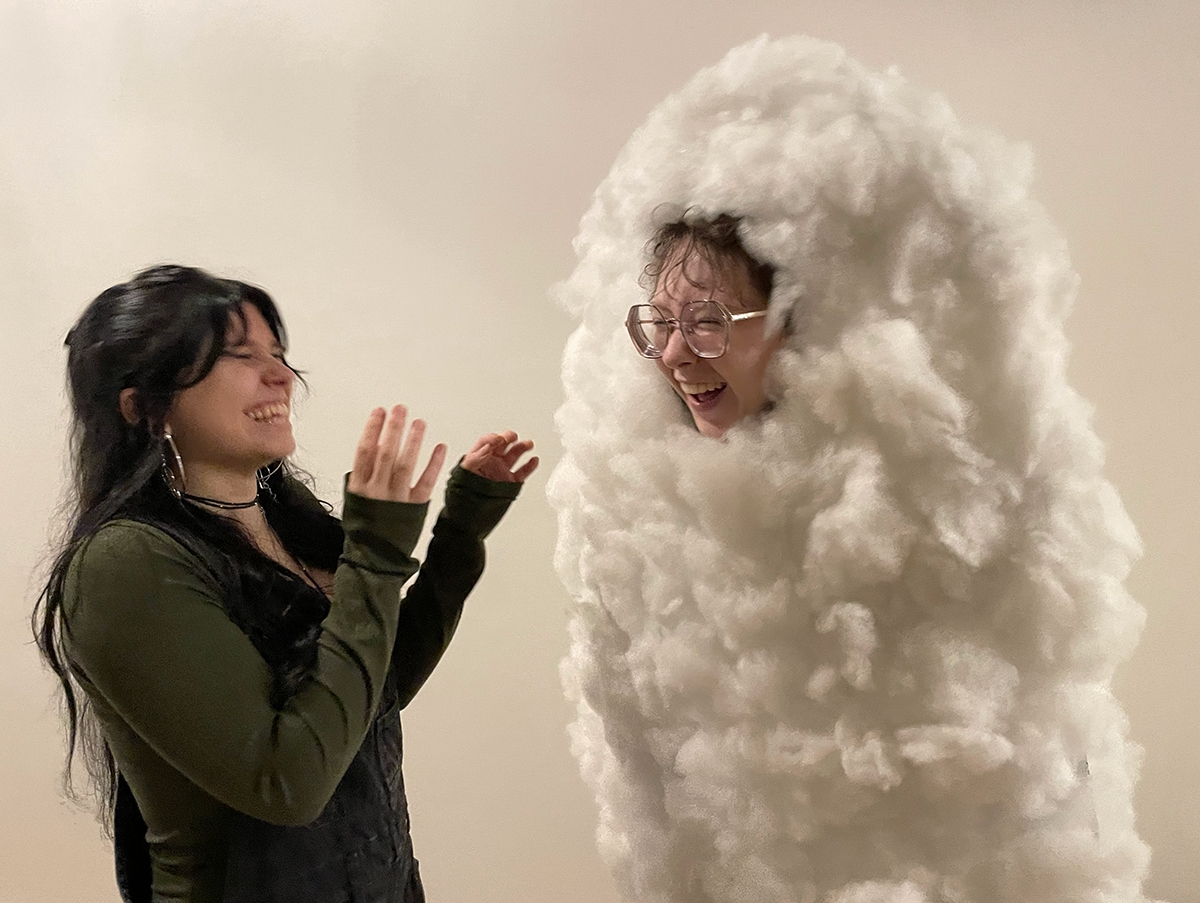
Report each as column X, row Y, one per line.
column 859, row 649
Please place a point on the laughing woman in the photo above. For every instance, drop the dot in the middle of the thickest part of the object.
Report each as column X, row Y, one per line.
column 233, row 657
column 846, row 570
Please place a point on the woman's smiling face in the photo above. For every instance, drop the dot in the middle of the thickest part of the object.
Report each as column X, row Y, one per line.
column 718, row 391
column 237, row 417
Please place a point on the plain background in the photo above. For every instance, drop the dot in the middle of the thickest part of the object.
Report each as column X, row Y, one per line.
column 406, row 178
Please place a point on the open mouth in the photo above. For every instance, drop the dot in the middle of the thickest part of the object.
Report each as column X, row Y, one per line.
column 270, row 413
column 702, row 395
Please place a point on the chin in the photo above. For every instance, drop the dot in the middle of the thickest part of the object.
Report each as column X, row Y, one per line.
column 709, row 429
column 275, row 454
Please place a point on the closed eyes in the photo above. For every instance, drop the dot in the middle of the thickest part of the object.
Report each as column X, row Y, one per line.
column 244, row 354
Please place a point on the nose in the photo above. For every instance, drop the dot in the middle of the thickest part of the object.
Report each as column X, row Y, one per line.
column 677, row 351
column 277, row 373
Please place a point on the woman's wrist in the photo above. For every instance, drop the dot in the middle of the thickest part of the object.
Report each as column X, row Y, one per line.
column 477, row 503
column 381, row 533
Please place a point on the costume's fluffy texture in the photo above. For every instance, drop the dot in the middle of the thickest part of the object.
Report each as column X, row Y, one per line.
column 859, row 649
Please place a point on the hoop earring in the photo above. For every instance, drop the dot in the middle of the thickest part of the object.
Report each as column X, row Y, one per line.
column 265, row 474
column 176, row 484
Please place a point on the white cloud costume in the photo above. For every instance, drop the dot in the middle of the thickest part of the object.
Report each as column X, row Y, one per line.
column 859, row 649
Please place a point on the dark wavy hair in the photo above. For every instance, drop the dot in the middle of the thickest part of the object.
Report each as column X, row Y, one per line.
column 713, row 239
column 159, row 333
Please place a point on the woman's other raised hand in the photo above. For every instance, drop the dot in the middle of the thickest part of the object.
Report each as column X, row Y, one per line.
column 384, row 467
column 495, row 456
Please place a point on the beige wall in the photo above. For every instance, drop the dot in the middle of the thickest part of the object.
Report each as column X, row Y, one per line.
column 406, row 178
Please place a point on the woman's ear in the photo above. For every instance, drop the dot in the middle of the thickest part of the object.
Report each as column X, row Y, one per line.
column 129, row 406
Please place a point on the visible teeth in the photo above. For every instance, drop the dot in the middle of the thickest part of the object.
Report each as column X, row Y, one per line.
column 700, row 388
column 269, row 413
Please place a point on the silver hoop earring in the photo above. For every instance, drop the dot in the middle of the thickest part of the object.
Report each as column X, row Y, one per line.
column 172, row 467
column 265, row 474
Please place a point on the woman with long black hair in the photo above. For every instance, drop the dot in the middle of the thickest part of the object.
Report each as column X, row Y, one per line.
column 233, row 657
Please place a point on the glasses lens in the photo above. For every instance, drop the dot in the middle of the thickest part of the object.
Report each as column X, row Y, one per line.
column 706, row 328
column 649, row 329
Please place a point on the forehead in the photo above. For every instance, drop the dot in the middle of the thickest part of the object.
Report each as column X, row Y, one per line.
column 249, row 327
column 689, row 274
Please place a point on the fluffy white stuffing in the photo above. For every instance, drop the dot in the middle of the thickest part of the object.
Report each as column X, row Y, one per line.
column 858, row 650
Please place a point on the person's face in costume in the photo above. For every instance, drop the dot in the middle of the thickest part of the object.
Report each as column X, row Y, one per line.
column 718, row 391
column 237, row 418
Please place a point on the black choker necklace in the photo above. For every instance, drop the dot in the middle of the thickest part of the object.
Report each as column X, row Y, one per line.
column 217, row 503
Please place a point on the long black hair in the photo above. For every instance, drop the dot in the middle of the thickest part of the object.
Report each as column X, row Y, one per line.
column 159, row 333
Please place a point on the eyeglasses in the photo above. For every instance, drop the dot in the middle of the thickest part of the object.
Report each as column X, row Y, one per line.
column 704, row 324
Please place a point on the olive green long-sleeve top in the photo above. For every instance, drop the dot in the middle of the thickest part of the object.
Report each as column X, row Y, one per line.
column 183, row 697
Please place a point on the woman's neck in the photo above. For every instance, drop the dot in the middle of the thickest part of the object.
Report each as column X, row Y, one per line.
column 227, row 494
column 230, row 493
column 219, row 485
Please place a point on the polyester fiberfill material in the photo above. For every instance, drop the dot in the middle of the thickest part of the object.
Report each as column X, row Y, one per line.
column 859, row 649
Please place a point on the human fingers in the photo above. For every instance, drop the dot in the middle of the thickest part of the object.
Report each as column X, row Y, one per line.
column 400, row 481
column 389, row 450
column 366, row 451
column 482, row 452
column 423, row 488
column 485, row 443
column 524, row 471
column 514, row 452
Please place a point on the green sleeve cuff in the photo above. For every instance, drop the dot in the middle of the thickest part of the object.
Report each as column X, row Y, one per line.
column 381, row 535
column 476, row 504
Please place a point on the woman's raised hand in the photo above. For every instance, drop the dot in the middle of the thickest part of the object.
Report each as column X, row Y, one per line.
column 495, row 455
column 383, row 468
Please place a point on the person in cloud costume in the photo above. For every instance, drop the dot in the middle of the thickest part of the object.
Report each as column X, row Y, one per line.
column 847, row 578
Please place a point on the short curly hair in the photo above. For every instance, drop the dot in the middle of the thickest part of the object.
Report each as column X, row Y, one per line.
column 713, row 239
